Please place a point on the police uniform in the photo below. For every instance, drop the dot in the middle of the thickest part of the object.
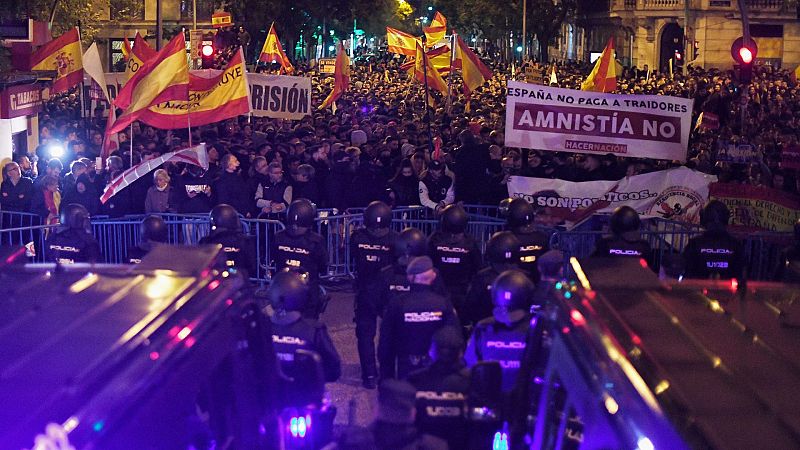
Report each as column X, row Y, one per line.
column 372, row 253
column 478, row 303
column 135, row 254
column 238, row 247
column 442, row 391
column 458, row 258
column 617, row 246
column 296, row 333
column 492, row 340
column 394, row 283
column 304, row 251
column 714, row 253
column 532, row 245
column 408, row 325
column 72, row 246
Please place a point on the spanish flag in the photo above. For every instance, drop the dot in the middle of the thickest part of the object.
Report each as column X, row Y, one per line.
column 400, row 42
column 273, row 51
column 341, row 78
column 436, row 31
column 439, row 57
column 62, row 55
column 603, row 77
column 473, row 71
column 211, row 99
column 136, row 56
column 163, row 78
column 423, row 68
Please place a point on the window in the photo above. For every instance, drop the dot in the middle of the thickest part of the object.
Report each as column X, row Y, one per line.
column 204, row 10
column 117, row 62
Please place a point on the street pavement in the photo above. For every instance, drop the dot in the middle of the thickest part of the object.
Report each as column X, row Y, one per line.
column 347, row 392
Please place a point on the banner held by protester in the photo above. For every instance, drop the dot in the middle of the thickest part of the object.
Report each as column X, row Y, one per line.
column 280, row 96
column 758, row 207
column 676, row 194
column 565, row 120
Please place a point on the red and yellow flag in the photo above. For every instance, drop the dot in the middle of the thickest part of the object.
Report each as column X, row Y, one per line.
column 136, row 56
column 435, row 80
column 341, row 78
column 273, row 51
column 603, row 77
column 211, row 99
column 439, row 57
column 473, row 71
column 436, row 31
column 400, row 42
column 162, row 78
column 64, row 56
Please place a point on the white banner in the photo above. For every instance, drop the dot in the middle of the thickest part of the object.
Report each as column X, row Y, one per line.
column 276, row 96
column 638, row 126
column 676, row 194
column 280, row 96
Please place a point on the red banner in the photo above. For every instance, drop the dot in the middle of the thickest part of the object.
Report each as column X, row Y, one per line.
column 758, row 207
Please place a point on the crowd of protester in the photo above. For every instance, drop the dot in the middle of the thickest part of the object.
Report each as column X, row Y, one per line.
column 381, row 144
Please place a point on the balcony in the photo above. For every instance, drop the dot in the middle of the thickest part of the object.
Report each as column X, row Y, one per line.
column 677, row 5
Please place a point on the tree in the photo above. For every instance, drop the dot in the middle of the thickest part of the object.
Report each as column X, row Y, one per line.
column 545, row 18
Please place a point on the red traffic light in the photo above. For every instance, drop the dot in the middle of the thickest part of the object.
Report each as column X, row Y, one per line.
column 745, row 55
column 678, row 55
column 207, row 50
column 744, row 52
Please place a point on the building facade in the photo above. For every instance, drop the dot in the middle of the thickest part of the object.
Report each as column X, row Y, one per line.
column 650, row 32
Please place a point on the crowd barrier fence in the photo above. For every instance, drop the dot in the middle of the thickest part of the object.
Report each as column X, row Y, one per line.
column 762, row 250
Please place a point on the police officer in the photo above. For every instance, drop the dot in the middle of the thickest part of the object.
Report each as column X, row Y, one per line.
column 410, row 321
column 288, row 295
column 226, row 230
column 532, row 243
column 372, row 248
column 73, row 243
column 454, row 253
column 715, row 253
column 154, row 231
column 442, row 389
column 502, row 253
column 502, row 337
column 625, row 240
column 299, row 247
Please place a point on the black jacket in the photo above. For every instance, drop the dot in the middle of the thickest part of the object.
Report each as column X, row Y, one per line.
column 231, row 188
column 714, row 253
column 16, row 197
column 72, row 246
column 292, row 332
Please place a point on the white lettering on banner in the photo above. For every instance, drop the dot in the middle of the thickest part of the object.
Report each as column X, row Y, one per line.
column 675, row 194
column 555, row 119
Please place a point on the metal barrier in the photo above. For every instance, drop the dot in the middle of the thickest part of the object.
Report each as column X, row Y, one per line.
column 263, row 232
column 761, row 250
column 31, row 237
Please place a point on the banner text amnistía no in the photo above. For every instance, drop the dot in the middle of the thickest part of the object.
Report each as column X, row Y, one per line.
column 556, row 119
column 275, row 96
column 676, row 194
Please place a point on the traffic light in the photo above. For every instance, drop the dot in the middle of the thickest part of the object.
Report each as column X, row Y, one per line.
column 678, row 56
column 744, row 53
column 207, row 54
column 695, row 50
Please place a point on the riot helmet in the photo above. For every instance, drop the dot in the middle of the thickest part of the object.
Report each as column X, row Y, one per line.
column 410, row 243
column 503, row 248
column 625, row 220
column 512, row 291
column 289, row 290
column 502, row 208
column 715, row 216
column 520, row 213
column 454, row 219
column 378, row 215
column 300, row 215
column 225, row 218
column 154, row 229
column 75, row 216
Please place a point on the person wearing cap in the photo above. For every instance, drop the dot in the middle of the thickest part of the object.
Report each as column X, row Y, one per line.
column 502, row 337
column 394, row 428
column 442, row 389
column 410, row 321
column 372, row 248
column 436, row 188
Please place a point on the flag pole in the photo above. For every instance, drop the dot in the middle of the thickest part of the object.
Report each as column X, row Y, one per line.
column 427, row 107
column 450, row 75
column 130, row 140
